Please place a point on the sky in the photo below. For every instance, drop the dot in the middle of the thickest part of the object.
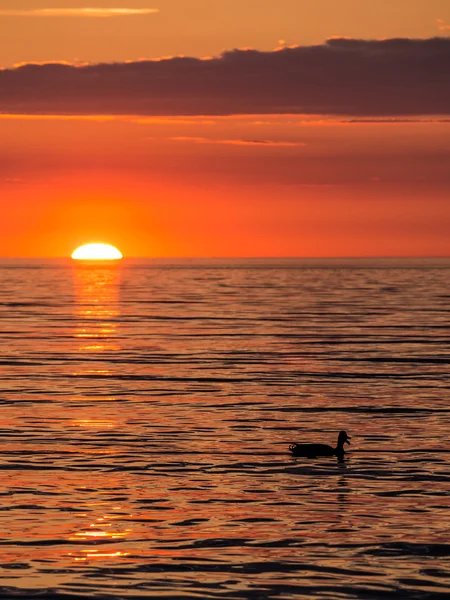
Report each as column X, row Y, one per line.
column 217, row 128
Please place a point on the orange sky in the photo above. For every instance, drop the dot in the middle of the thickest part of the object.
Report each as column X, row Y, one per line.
column 204, row 27
column 212, row 185
column 230, row 186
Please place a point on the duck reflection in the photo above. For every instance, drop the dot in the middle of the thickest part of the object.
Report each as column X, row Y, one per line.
column 97, row 307
column 344, row 490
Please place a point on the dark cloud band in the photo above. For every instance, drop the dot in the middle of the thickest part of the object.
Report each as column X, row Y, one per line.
column 394, row 77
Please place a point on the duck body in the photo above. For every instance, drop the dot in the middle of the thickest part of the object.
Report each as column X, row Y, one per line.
column 315, row 450
column 312, row 450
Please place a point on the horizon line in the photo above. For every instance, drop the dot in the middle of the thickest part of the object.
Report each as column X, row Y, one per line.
column 344, row 257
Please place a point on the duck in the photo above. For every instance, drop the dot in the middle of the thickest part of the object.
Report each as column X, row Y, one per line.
column 315, row 450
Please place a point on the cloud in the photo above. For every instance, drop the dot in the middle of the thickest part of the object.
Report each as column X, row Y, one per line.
column 442, row 26
column 78, row 12
column 343, row 77
column 236, row 142
column 170, row 121
column 396, row 120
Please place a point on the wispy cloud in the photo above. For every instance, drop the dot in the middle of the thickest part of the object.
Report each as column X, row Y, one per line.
column 442, row 26
column 236, row 142
column 109, row 118
column 78, row 12
column 171, row 121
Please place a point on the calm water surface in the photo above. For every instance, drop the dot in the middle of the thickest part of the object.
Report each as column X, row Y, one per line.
column 147, row 409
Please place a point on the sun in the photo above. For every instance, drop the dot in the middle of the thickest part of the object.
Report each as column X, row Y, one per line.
column 97, row 252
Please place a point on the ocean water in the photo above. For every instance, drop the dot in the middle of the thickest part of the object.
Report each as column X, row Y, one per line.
column 147, row 410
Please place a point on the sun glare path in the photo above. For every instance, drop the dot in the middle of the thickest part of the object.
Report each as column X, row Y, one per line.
column 97, row 252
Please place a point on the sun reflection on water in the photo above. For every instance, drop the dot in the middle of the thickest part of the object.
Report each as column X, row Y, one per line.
column 97, row 308
column 94, row 423
column 86, row 555
column 98, row 534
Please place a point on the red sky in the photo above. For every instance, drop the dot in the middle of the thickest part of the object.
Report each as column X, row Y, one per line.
column 350, row 158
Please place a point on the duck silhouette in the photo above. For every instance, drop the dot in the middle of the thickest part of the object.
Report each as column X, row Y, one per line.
column 315, row 450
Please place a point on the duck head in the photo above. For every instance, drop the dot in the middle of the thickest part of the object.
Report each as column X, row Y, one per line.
column 343, row 439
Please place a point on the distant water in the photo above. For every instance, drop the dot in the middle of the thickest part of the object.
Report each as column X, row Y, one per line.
column 147, row 409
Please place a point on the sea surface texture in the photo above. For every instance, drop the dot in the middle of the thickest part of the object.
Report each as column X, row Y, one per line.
column 146, row 414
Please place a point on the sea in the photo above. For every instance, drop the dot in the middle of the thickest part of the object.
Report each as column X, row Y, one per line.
column 147, row 408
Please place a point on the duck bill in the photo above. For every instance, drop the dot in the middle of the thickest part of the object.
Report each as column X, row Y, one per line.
column 347, row 441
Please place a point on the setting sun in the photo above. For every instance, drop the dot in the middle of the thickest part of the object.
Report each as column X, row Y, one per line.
column 97, row 252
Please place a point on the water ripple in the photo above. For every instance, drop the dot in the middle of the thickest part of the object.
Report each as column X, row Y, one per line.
column 147, row 412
